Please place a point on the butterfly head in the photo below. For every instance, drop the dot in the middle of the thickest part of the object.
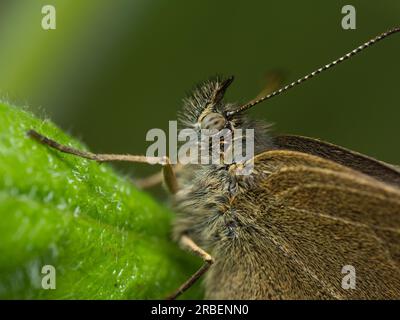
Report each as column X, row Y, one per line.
column 204, row 108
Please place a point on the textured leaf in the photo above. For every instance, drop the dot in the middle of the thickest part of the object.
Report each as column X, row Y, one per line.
column 105, row 239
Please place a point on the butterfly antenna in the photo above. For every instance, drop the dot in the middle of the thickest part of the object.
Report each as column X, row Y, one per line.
column 318, row 71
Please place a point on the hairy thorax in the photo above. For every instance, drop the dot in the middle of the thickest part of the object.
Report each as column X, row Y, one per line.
column 210, row 209
column 204, row 203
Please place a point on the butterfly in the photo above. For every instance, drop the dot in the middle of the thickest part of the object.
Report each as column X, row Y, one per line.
column 313, row 220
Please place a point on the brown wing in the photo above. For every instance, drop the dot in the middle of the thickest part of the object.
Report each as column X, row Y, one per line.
column 301, row 220
column 372, row 167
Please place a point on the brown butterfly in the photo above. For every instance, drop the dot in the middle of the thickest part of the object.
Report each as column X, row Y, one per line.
column 288, row 230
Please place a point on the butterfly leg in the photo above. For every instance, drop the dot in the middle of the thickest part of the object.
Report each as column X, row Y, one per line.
column 187, row 242
column 168, row 171
column 154, row 179
column 150, row 181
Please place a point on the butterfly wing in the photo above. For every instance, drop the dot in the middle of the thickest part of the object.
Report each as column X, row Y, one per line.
column 312, row 220
column 372, row 167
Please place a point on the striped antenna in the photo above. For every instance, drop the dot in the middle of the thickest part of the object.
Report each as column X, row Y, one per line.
column 318, row 71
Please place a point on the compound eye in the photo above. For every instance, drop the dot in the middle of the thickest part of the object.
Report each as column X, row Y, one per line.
column 213, row 121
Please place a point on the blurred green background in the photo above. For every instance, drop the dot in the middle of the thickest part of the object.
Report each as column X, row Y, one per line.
column 112, row 70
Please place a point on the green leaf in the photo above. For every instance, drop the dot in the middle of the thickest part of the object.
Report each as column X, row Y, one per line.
column 106, row 239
